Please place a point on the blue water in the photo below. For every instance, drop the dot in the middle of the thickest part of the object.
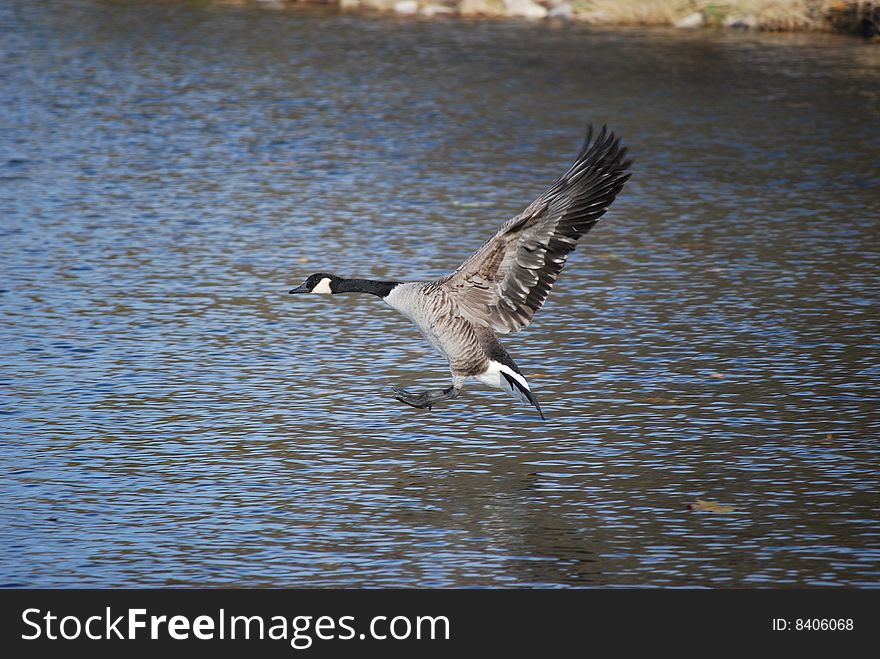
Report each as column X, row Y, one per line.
column 170, row 416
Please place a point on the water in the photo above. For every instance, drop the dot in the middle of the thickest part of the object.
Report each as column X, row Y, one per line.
column 170, row 416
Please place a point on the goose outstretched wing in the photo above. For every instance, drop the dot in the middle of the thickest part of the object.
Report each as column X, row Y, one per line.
column 507, row 280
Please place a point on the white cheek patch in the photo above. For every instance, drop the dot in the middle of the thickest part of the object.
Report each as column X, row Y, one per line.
column 323, row 287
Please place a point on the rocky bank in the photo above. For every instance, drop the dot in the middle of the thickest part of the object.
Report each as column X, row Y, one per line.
column 852, row 16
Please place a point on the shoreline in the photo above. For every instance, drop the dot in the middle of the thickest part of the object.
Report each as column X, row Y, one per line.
column 855, row 17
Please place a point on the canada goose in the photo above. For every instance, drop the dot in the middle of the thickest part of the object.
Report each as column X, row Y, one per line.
column 501, row 286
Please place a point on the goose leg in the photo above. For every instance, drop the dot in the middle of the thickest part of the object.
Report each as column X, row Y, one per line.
column 427, row 399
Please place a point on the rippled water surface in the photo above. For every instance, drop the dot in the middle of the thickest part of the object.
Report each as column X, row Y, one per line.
column 171, row 416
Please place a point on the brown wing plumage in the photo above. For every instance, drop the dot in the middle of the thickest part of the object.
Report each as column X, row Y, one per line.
column 508, row 279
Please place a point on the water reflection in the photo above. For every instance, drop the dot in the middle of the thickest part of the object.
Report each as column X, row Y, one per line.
column 170, row 416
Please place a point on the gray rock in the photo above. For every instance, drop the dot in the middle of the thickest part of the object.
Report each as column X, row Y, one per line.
column 408, row 7
column 563, row 11
column 691, row 21
column 746, row 22
column 524, row 9
column 437, row 10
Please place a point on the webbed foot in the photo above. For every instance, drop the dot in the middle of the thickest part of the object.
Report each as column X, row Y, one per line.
column 422, row 399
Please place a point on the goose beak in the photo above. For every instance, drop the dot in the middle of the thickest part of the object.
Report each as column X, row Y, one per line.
column 299, row 289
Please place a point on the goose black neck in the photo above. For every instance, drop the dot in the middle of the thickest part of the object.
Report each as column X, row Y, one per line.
column 379, row 288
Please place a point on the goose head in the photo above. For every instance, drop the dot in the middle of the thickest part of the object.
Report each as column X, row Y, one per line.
column 320, row 282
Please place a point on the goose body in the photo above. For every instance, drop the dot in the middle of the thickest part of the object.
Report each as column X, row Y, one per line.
column 472, row 350
column 501, row 286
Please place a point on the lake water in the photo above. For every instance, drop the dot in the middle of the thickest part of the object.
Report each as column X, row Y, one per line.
column 170, row 416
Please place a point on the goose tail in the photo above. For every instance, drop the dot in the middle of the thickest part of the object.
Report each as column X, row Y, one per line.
column 519, row 389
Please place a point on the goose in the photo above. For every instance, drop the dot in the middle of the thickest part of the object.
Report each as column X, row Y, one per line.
column 498, row 289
